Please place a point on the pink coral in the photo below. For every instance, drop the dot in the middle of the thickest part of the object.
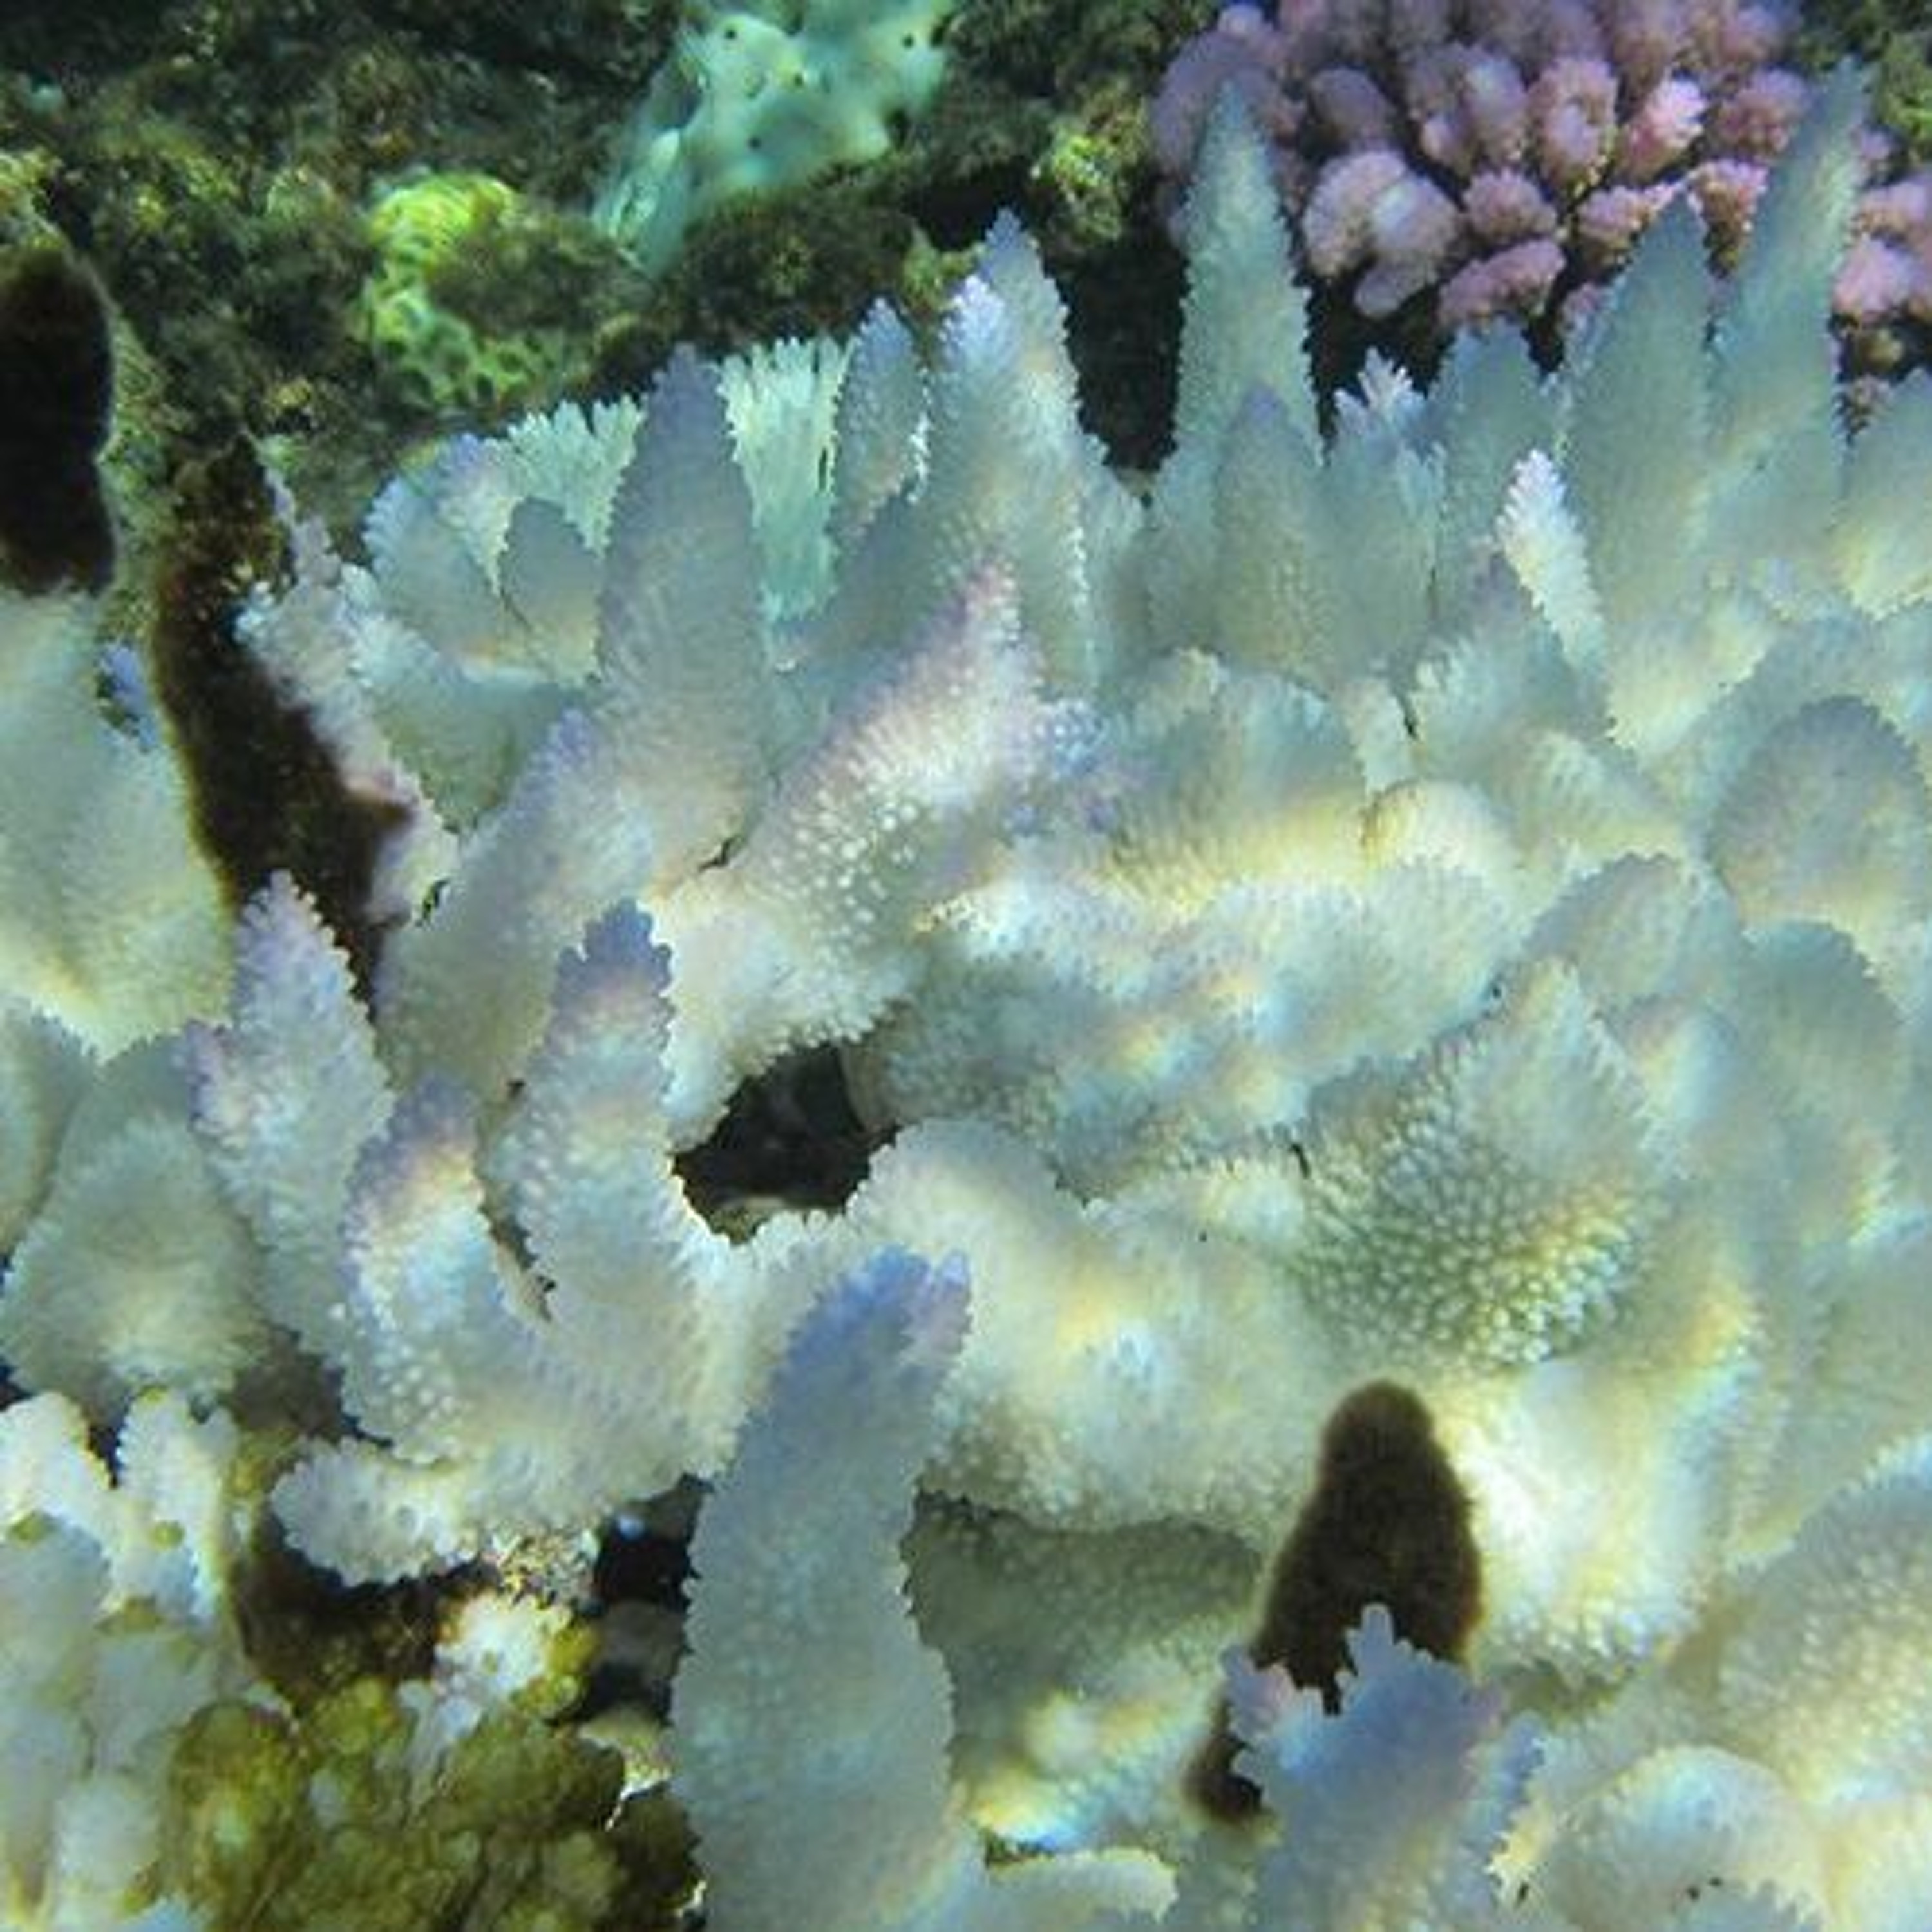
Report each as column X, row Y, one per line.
column 1574, row 106
column 1354, row 111
column 1664, row 129
column 1888, row 272
column 1878, row 278
column 1505, row 205
column 1609, row 221
column 1648, row 39
column 1508, row 154
column 1756, row 120
column 1510, row 282
column 1370, row 208
column 1243, row 52
column 1728, row 193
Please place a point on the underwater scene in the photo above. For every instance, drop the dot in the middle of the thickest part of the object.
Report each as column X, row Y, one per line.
column 966, row 966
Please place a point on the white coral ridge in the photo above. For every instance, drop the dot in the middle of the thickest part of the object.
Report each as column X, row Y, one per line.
column 115, row 1600
column 110, row 923
column 1446, row 897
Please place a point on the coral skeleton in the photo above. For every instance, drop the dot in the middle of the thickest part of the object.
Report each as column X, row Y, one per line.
column 1433, row 891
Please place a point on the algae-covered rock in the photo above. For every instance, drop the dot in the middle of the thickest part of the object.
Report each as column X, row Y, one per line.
column 391, row 1807
column 482, row 300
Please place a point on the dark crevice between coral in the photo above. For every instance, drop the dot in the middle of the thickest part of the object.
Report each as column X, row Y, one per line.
column 56, row 403
column 789, row 1138
column 308, row 1632
column 1388, row 1522
column 646, row 1557
column 638, row 1591
column 265, row 792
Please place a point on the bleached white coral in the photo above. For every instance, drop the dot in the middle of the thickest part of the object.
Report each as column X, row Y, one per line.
column 804, row 1661
column 1459, row 1214
column 1785, row 1749
column 453, row 1352
column 1392, row 1810
column 135, row 1270
column 114, row 1595
column 1443, row 899
column 110, row 919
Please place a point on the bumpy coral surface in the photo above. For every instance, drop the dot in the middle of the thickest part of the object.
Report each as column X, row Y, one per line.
column 1441, row 899
column 114, row 1597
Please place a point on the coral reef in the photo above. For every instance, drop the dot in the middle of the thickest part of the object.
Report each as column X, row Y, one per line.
column 1416, row 917
column 1042, row 111
column 120, row 1627
column 161, row 1779
column 261, row 149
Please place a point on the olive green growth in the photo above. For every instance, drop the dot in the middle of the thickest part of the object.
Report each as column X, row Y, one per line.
column 1893, row 38
column 331, row 1821
column 475, row 307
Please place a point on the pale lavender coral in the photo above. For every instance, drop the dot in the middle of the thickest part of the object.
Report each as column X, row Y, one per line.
column 1727, row 194
column 1505, row 205
column 1513, row 281
column 1509, row 153
column 1574, row 104
column 1355, row 111
column 1242, row 52
column 1660, row 133
column 1757, row 120
column 1888, row 270
column 1368, row 210
column 1607, row 223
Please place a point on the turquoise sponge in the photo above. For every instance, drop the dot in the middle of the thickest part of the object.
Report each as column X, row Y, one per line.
column 765, row 96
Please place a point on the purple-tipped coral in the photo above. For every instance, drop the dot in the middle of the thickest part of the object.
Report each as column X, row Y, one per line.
column 1507, row 153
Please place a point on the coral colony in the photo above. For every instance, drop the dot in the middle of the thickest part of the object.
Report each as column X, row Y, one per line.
column 1505, row 156
column 1378, row 1373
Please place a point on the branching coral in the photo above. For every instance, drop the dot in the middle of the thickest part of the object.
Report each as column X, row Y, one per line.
column 116, row 1599
column 1503, row 156
column 802, row 1657
column 109, row 920
column 1440, row 901
column 156, row 1778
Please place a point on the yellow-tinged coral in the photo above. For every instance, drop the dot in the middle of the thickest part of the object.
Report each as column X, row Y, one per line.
column 115, row 1598
column 1494, row 1205
column 339, row 1816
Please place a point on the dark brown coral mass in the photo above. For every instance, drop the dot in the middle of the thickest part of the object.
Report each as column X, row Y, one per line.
column 1388, row 1522
column 56, row 402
